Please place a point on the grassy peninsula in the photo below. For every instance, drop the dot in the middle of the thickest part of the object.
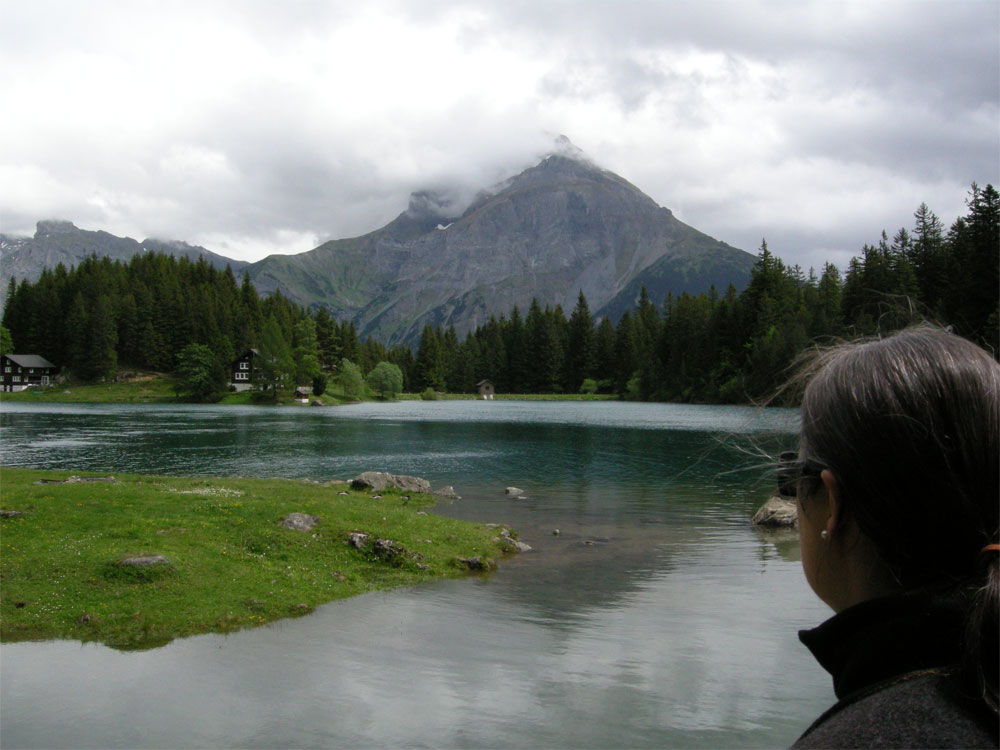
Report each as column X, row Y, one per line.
column 216, row 555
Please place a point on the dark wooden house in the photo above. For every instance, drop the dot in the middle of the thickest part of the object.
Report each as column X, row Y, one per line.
column 485, row 390
column 20, row 371
column 241, row 370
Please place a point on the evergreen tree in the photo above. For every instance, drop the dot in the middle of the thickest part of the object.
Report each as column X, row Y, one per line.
column 973, row 302
column 515, row 340
column 326, row 339
column 430, row 364
column 626, row 360
column 274, row 364
column 491, row 363
column 581, row 350
column 928, row 258
column 306, row 352
column 6, row 342
column 544, row 351
column 100, row 359
column 198, row 375
column 604, row 353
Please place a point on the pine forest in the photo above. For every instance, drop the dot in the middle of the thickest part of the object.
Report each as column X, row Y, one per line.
column 724, row 346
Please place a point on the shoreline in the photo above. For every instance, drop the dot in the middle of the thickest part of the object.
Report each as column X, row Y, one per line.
column 135, row 561
column 159, row 389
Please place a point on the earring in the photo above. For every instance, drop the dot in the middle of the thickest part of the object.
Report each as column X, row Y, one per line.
column 824, row 534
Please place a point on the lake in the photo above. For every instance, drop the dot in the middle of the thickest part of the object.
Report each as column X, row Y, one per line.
column 657, row 617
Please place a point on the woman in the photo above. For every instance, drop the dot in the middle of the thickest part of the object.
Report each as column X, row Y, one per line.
column 897, row 488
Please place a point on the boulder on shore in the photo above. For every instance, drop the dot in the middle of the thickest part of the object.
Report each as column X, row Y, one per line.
column 380, row 480
column 777, row 512
column 512, row 544
column 300, row 521
column 515, row 491
column 447, row 492
column 144, row 560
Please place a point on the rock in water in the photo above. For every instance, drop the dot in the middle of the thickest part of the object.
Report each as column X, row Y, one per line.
column 776, row 513
column 380, row 480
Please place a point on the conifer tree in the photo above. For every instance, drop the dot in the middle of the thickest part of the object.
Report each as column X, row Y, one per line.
column 100, row 359
column 274, row 365
column 326, row 339
column 580, row 353
column 430, row 364
column 306, row 352
column 515, row 338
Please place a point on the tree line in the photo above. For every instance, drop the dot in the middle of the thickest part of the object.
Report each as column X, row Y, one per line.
column 729, row 346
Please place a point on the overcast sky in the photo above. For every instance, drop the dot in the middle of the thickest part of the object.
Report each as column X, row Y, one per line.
column 255, row 127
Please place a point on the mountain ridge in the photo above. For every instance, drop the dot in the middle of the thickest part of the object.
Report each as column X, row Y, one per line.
column 559, row 227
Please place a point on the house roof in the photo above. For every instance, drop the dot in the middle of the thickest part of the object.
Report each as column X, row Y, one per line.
column 248, row 353
column 484, row 382
column 29, row 360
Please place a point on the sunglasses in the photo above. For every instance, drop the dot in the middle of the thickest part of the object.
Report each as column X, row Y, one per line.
column 791, row 469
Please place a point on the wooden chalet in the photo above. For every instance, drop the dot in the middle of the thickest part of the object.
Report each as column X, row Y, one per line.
column 241, row 370
column 486, row 390
column 21, row 371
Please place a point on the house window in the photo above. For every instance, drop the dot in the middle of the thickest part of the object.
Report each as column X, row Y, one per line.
column 7, row 369
column 241, row 376
column 16, row 379
column 244, row 365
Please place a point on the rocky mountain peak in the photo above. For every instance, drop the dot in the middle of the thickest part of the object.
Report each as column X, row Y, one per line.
column 431, row 204
column 53, row 227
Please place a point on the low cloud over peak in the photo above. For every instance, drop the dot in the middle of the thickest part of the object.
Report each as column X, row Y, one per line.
column 252, row 128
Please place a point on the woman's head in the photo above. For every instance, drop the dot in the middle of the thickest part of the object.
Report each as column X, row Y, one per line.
column 904, row 434
column 909, row 428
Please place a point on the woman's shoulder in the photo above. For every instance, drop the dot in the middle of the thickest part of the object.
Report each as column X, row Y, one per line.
column 921, row 709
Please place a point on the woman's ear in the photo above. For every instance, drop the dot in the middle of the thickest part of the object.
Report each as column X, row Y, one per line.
column 833, row 506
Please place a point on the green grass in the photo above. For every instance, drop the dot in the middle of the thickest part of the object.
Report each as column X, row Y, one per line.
column 160, row 389
column 231, row 565
column 154, row 389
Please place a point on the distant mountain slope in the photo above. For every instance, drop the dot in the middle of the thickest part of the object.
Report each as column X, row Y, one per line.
column 562, row 226
column 62, row 242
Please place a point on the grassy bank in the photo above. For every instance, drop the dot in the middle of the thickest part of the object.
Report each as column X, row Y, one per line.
column 151, row 388
column 147, row 389
column 229, row 563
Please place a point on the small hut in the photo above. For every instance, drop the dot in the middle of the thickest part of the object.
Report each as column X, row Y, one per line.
column 485, row 390
column 302, row 394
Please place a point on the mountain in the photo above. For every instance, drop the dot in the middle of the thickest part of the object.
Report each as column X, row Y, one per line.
column 62, row 242
column 562, row 226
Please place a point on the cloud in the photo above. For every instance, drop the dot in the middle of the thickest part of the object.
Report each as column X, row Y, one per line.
column 251, row 128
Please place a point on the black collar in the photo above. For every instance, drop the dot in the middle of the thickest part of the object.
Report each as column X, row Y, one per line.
column 881, row 638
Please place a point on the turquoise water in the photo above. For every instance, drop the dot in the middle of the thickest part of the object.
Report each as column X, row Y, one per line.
column 657, row 617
